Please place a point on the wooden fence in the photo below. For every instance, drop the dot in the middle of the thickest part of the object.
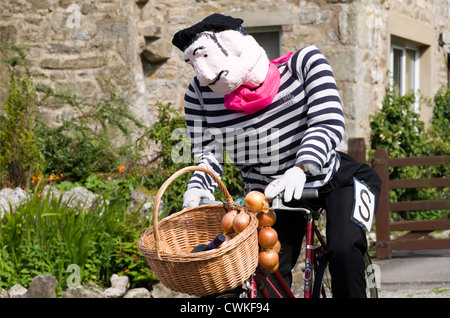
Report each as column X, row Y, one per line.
column 414, row 239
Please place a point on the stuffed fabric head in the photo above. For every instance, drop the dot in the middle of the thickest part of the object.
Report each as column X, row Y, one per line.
column 223, row 56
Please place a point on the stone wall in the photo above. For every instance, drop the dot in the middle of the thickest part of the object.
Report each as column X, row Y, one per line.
column 124, row 46
column 90, row 48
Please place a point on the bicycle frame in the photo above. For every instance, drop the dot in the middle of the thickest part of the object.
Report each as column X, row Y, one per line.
column 311, row 258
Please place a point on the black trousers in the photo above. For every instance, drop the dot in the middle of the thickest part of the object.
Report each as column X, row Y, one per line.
column 346, row 240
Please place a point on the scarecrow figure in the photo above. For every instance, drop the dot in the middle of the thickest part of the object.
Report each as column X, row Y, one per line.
column 280, row 122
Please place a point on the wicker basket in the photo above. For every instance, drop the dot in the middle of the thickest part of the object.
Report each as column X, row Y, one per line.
column 167, row 245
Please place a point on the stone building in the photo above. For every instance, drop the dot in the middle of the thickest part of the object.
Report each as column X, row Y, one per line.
column 96, row 47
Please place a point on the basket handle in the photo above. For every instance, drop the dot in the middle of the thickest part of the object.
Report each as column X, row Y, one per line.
column 162, row 189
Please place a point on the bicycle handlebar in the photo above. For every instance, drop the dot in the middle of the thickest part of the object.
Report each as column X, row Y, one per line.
column 277, row 202
column 309, row 194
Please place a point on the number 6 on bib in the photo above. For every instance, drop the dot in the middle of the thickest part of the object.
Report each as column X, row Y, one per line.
column 364, row 204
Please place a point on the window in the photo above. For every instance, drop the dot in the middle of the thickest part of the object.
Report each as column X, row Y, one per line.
column 410, row 58
column 404, row 67
column 269, row 39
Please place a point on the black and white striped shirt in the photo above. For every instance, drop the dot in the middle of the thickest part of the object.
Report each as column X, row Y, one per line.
column 303, row 124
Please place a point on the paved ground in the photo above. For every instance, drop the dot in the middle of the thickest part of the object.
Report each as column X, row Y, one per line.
column 410, row 274
column 417, row 274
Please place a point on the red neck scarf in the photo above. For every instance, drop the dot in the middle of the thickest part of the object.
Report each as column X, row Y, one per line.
column 252, row 100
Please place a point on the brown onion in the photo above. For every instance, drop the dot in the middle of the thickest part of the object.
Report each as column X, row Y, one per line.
column 256, row 202
column 267, row 238
column 266, row 219
column 268, row 261
column 241, row 221
column 274, row 269
column 227, row 221
column 277, row 247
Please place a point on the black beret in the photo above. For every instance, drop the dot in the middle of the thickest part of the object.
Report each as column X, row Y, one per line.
column 215, row 22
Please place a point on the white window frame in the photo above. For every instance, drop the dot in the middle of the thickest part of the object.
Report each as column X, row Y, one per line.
column 416, row 69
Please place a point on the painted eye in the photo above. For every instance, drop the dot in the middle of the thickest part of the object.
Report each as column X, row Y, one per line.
column 206, row 55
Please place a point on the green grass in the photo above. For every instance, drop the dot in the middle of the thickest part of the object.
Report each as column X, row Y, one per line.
column 47, row 235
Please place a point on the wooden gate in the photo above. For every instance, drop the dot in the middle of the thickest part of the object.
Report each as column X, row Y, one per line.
column 414, row 239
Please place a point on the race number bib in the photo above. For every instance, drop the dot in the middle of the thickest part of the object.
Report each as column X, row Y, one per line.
column 364, row 204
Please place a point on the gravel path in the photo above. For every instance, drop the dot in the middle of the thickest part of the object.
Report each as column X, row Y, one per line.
column 415, row 291
column 396, row 290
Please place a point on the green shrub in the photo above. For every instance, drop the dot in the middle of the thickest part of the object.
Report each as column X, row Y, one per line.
column 47, row 235
column 20, row 158
column 439, row 131
column 80, row 146
column 397, row 128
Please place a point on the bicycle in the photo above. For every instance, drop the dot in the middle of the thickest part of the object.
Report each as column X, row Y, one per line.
column 315, row 284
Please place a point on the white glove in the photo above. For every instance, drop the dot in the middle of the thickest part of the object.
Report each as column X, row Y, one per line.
column 192, row 197
column 292, row 183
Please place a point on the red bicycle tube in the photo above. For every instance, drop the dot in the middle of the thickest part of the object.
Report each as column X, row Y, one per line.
column 309, row 258
column 254, row 288
column 262, row 289
column 282, row 283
